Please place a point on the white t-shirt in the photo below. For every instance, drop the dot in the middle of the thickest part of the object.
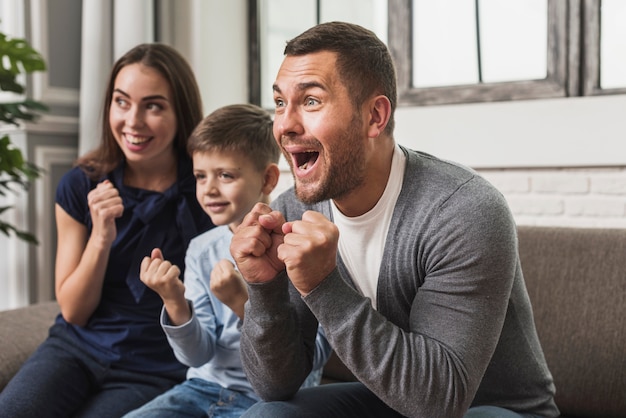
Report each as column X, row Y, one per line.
column 362, row 238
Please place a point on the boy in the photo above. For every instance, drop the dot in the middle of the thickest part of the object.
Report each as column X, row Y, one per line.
column 235, row 161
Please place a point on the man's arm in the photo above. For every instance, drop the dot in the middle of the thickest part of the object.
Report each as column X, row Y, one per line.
column 279, row 331
column 278, row 339
column 427, row 358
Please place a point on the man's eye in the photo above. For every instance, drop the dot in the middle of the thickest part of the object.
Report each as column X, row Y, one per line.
column 279, row 103
column 311, row 101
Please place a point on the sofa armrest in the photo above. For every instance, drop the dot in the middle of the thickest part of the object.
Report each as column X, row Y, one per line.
column 22, row 330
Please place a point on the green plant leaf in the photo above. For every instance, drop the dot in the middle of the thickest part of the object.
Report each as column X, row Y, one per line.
column 14, row 169
column 8, row 82
column 21, row 57
column 27, row 110
column 7, row 229
column 17, row 57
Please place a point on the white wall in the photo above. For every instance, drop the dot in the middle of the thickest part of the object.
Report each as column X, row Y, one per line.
column 559, row 162
column 213, row 36
column 582, row 131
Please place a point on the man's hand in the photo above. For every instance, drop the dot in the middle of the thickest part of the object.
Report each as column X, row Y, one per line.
column 255, row 243
column 229, row 287
column 309, row 250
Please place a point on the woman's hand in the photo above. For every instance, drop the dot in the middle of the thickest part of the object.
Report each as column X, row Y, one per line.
column 105, row 204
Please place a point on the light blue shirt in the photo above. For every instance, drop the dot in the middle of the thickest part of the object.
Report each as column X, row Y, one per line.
column 209, row 342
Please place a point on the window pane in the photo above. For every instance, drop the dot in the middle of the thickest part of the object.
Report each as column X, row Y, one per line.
column 446, row 50
column 513, row 39
column 613, row 44
column 280, row 21
column 371, row 14
column 444, row 43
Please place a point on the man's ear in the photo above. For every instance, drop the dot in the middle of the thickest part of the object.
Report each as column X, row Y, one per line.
column 270, row 178
column 379, row 114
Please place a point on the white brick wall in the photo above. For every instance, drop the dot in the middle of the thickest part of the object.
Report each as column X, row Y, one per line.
column 584, row 197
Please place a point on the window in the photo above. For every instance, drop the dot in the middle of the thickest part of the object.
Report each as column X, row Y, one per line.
column 464, row 51
column 479, row 29
column 277, row 21
column 604, row 56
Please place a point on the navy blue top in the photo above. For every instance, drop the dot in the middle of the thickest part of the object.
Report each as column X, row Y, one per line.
column 124, row 330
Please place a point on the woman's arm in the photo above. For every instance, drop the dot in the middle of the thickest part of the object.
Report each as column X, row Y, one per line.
column 81, row 258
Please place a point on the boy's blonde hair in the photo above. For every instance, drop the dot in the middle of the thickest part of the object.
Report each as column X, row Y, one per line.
column 245, row 129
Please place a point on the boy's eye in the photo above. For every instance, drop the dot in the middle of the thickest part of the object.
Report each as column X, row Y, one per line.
column 199, row 176
column 227, row 176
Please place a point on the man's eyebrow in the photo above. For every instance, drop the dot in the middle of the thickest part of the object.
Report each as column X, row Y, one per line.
column 153, row 97
column 301, row 86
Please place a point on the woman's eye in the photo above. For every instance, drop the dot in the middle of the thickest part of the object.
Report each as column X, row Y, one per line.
column 154, row 106
column 121, row 102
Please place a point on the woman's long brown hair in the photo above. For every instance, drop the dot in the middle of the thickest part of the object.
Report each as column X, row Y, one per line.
column 186, row 99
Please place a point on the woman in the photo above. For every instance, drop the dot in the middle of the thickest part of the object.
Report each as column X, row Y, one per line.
column 106, row 353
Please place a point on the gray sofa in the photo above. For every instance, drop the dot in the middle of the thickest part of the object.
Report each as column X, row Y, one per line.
column 576, row 279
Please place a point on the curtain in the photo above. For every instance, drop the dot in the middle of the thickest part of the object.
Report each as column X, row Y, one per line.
column 211, row 34
column 109, row 29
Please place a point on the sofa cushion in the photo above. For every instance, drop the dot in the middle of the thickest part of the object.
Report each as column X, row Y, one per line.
column 21, row 332
column 576, row 279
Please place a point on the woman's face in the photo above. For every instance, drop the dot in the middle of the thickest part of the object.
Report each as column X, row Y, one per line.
column 142, row 116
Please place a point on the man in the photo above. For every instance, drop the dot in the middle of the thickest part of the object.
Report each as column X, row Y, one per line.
column 408, row 262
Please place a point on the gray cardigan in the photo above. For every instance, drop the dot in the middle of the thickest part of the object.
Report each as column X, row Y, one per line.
column 454, row 325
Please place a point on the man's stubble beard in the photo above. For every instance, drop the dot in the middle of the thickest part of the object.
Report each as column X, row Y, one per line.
column 343, row 173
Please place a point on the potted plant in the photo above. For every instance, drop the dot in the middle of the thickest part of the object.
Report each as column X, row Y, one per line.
column 17, row 58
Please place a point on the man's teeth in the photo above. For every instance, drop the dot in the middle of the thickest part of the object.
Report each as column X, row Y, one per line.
column 304, row 166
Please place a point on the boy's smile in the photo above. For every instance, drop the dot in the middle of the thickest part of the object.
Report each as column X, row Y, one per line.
column 227, row 185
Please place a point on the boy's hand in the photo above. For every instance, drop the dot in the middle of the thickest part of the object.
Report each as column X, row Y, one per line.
column 255, row 243
column 164, row 278
column 229, row 287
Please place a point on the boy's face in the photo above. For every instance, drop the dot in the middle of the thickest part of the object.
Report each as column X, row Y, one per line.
column 228, row 185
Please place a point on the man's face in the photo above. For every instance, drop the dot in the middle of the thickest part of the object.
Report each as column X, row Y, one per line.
column 318, row 128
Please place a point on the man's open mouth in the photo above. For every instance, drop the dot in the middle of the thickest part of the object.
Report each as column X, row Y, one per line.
column 304, row 160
